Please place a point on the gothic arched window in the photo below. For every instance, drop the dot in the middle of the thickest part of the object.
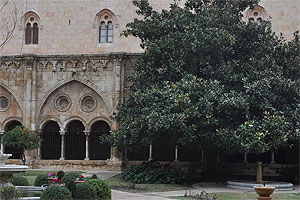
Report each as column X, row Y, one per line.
column 31, row 28
column 256, row 15
column 106, row 20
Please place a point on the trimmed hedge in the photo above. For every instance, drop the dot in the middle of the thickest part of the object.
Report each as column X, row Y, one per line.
column 149, row 173
column 56, row 192
column 8, row 192
column 101, row 187
column 41, row 179
column 20, row 181
column 85, row 191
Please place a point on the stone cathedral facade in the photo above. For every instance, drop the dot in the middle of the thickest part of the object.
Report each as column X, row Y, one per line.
column 64, row 72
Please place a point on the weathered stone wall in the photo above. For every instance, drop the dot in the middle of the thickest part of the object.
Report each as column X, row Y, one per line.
column 72, row 26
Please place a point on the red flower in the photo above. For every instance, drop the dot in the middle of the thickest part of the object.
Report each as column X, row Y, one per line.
column 54, row 173
column 60, row 181
column 80, row 176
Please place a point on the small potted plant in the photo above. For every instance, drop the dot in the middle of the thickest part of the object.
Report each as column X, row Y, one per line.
column 51, row 177
column 80, row 179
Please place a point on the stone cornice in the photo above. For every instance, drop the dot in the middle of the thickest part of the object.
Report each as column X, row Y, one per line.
column 70, row 56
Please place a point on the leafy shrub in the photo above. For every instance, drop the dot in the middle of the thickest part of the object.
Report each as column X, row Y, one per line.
column 69, row 181
column 149, row 173
column 101, row 187
column 73, row 174
column 56, row 192
column 8, row 192
column 41, row 179
column 20, row 181
column 84, row 191
column 290, row 174
column 60, row 174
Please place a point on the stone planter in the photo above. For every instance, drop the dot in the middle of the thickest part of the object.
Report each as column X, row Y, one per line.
column 79, row 181
column 264, row 192
column 50, row 180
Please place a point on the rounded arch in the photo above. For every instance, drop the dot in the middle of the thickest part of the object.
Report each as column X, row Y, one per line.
column 50, row 140
column 68, row 121
column 47, row 119
column 64, row 82
column 105, row 119
column 75, row 141
column 97, row 149
column 9, row 120
column 14, row 95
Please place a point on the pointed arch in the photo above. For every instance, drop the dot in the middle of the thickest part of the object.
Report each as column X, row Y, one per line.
column 64, row 82
column 20, row 104
column 31, row 13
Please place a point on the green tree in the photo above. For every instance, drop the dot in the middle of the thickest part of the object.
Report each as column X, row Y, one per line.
column 207, row 77
column 21, row 138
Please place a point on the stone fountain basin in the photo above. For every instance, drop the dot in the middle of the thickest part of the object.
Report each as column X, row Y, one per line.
column 264, row 191
column 13, row 168
column 248, row 185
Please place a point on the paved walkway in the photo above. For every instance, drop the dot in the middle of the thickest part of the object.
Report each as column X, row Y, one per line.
column 209, row 187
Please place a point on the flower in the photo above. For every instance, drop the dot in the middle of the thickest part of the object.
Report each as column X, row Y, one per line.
column 60, row 181
column 52, row 175
column 55, row 180
column 80, row 178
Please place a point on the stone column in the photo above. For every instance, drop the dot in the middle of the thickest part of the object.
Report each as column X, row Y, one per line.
column 245, row 158
column 87, row 133
column 150, row 153
column 1, row 134
column 62, row 155
column 202, row 156
column 272, row 158
column 176, row 154
column 28, row 92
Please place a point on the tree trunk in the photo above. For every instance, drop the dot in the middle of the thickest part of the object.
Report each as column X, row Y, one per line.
column 23, row 157
column 259, row 173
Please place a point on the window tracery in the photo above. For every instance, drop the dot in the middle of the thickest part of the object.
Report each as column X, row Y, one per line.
column 31, row 28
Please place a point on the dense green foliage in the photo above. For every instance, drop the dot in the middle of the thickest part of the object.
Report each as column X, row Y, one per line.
column 69, row 179
column 21, row 138
column 41, row 179
column 148, row 174
column 20, row 181
column 60, row 174
column 8, row 192
column 56, row 192
column 85, row 191
column 101, row 187
column 206, row 76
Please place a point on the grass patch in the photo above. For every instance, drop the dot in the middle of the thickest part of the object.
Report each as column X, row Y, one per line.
column 118, row 183
column 246, row 196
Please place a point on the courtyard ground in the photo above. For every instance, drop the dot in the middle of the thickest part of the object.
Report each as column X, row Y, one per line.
column 222, row 191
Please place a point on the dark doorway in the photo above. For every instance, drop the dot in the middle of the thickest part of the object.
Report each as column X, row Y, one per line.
column 51, row 141
column 16, row 153
column 98, row 150
column 75, row 141
column 163, row 151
